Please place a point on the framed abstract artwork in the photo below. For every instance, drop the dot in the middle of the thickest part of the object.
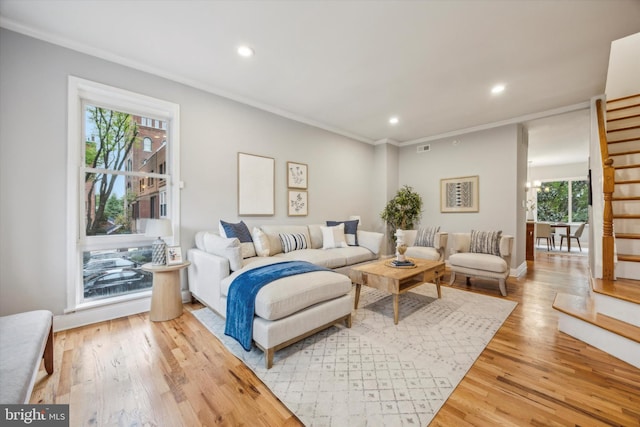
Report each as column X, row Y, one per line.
column 297, row 175
column 256, row 185
column 298, row 205
column 459, row 194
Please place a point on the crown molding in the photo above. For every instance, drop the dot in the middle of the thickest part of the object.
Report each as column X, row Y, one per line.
column 109, row 56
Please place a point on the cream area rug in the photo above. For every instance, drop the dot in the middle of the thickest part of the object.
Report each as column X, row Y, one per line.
column 377, row 373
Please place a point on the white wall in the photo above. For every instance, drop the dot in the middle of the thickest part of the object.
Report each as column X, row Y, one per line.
column 492, row 155
column 33, row 144
column 624, row 67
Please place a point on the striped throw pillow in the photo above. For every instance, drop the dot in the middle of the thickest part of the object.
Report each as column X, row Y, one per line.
column 426, row 236
column 293, row 242
column 485, row 242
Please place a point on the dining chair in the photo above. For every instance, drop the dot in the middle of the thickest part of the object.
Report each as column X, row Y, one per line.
column 575, row 235
column 543, row 231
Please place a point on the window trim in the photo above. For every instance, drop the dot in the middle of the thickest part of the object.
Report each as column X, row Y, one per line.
column 81, row 91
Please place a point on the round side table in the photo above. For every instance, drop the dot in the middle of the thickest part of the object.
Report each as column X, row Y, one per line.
column 166, row 301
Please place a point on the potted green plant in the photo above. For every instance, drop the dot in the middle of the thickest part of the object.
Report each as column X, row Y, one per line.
column 403, row 211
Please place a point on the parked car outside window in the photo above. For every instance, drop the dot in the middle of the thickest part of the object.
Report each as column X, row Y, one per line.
column 117, row 282
column 100, row 265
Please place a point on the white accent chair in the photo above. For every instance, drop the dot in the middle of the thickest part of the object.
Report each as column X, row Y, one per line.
column 435, row 253
column 486, row 266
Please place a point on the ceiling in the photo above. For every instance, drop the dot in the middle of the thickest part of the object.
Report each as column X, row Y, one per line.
column 347, row 66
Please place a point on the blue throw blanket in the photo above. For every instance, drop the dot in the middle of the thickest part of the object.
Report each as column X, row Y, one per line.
column 241, row 298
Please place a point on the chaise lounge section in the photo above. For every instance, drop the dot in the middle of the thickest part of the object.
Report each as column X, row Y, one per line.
column 291, row 308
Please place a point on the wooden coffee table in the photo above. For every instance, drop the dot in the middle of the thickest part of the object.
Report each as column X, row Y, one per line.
column 396, row 280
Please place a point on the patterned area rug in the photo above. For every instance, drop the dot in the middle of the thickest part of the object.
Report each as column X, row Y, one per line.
column 378, row 373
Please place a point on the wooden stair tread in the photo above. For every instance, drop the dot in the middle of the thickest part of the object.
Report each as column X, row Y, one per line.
column 627, row 236
column 617, row 141
column 618, row 199
column 624, row 289
column 583, row 308
column 629, row 257
column 624, row 153
column 624, row 117
column 627, row 216
column 627, row 166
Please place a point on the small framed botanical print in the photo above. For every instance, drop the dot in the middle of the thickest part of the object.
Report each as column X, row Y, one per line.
column 297, row 175
column 298, row 205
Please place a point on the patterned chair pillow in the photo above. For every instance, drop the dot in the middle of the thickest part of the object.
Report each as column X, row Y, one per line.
column 485, row 242
column 426, row 236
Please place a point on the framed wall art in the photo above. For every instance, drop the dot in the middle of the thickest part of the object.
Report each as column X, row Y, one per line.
column 256, row 185
column 297, row 175
column 298, row 204
column 459, row 194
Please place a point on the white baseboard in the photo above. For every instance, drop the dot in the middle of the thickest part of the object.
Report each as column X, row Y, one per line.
column 106, row 312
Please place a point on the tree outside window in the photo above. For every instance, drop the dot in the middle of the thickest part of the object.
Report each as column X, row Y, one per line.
column 563, row 201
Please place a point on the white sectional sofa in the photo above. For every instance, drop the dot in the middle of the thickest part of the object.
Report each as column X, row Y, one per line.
column 291, row 308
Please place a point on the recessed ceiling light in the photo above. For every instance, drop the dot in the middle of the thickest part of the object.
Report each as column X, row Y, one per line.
column 394, row 120
column 245, row 51
column 497, row 89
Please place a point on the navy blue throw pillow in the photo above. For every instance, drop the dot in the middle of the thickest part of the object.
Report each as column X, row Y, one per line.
column 350, row 230
column 239, row 230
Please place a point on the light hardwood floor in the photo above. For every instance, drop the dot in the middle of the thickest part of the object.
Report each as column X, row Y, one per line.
column 132, row 372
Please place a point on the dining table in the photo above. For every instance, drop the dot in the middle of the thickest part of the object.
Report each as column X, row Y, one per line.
column 567, row 227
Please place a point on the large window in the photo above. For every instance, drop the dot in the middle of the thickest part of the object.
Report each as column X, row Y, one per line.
column 114, row 189
column 563, row 201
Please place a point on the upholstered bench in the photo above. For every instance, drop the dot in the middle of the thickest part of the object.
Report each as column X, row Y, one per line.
column 292, row 308
column 25, row 339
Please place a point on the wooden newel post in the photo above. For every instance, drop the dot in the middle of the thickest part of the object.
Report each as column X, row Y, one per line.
column 608, row 187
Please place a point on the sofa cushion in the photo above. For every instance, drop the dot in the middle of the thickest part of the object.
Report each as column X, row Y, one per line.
column 333, row 237
column 426, row 236
column 485, row 242
column 352, row 255
column 228, row 248
column 478, row 261
column 327, row 258
column 315, row 233
column 286, row 296
column 293, row 242
column 423, row 252
column 350, row 230
column 260, row 242
column 241, row 232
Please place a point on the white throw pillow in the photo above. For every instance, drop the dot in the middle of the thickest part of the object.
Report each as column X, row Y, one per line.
column 260, row 241
column 333, row 237
column 228, row 248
